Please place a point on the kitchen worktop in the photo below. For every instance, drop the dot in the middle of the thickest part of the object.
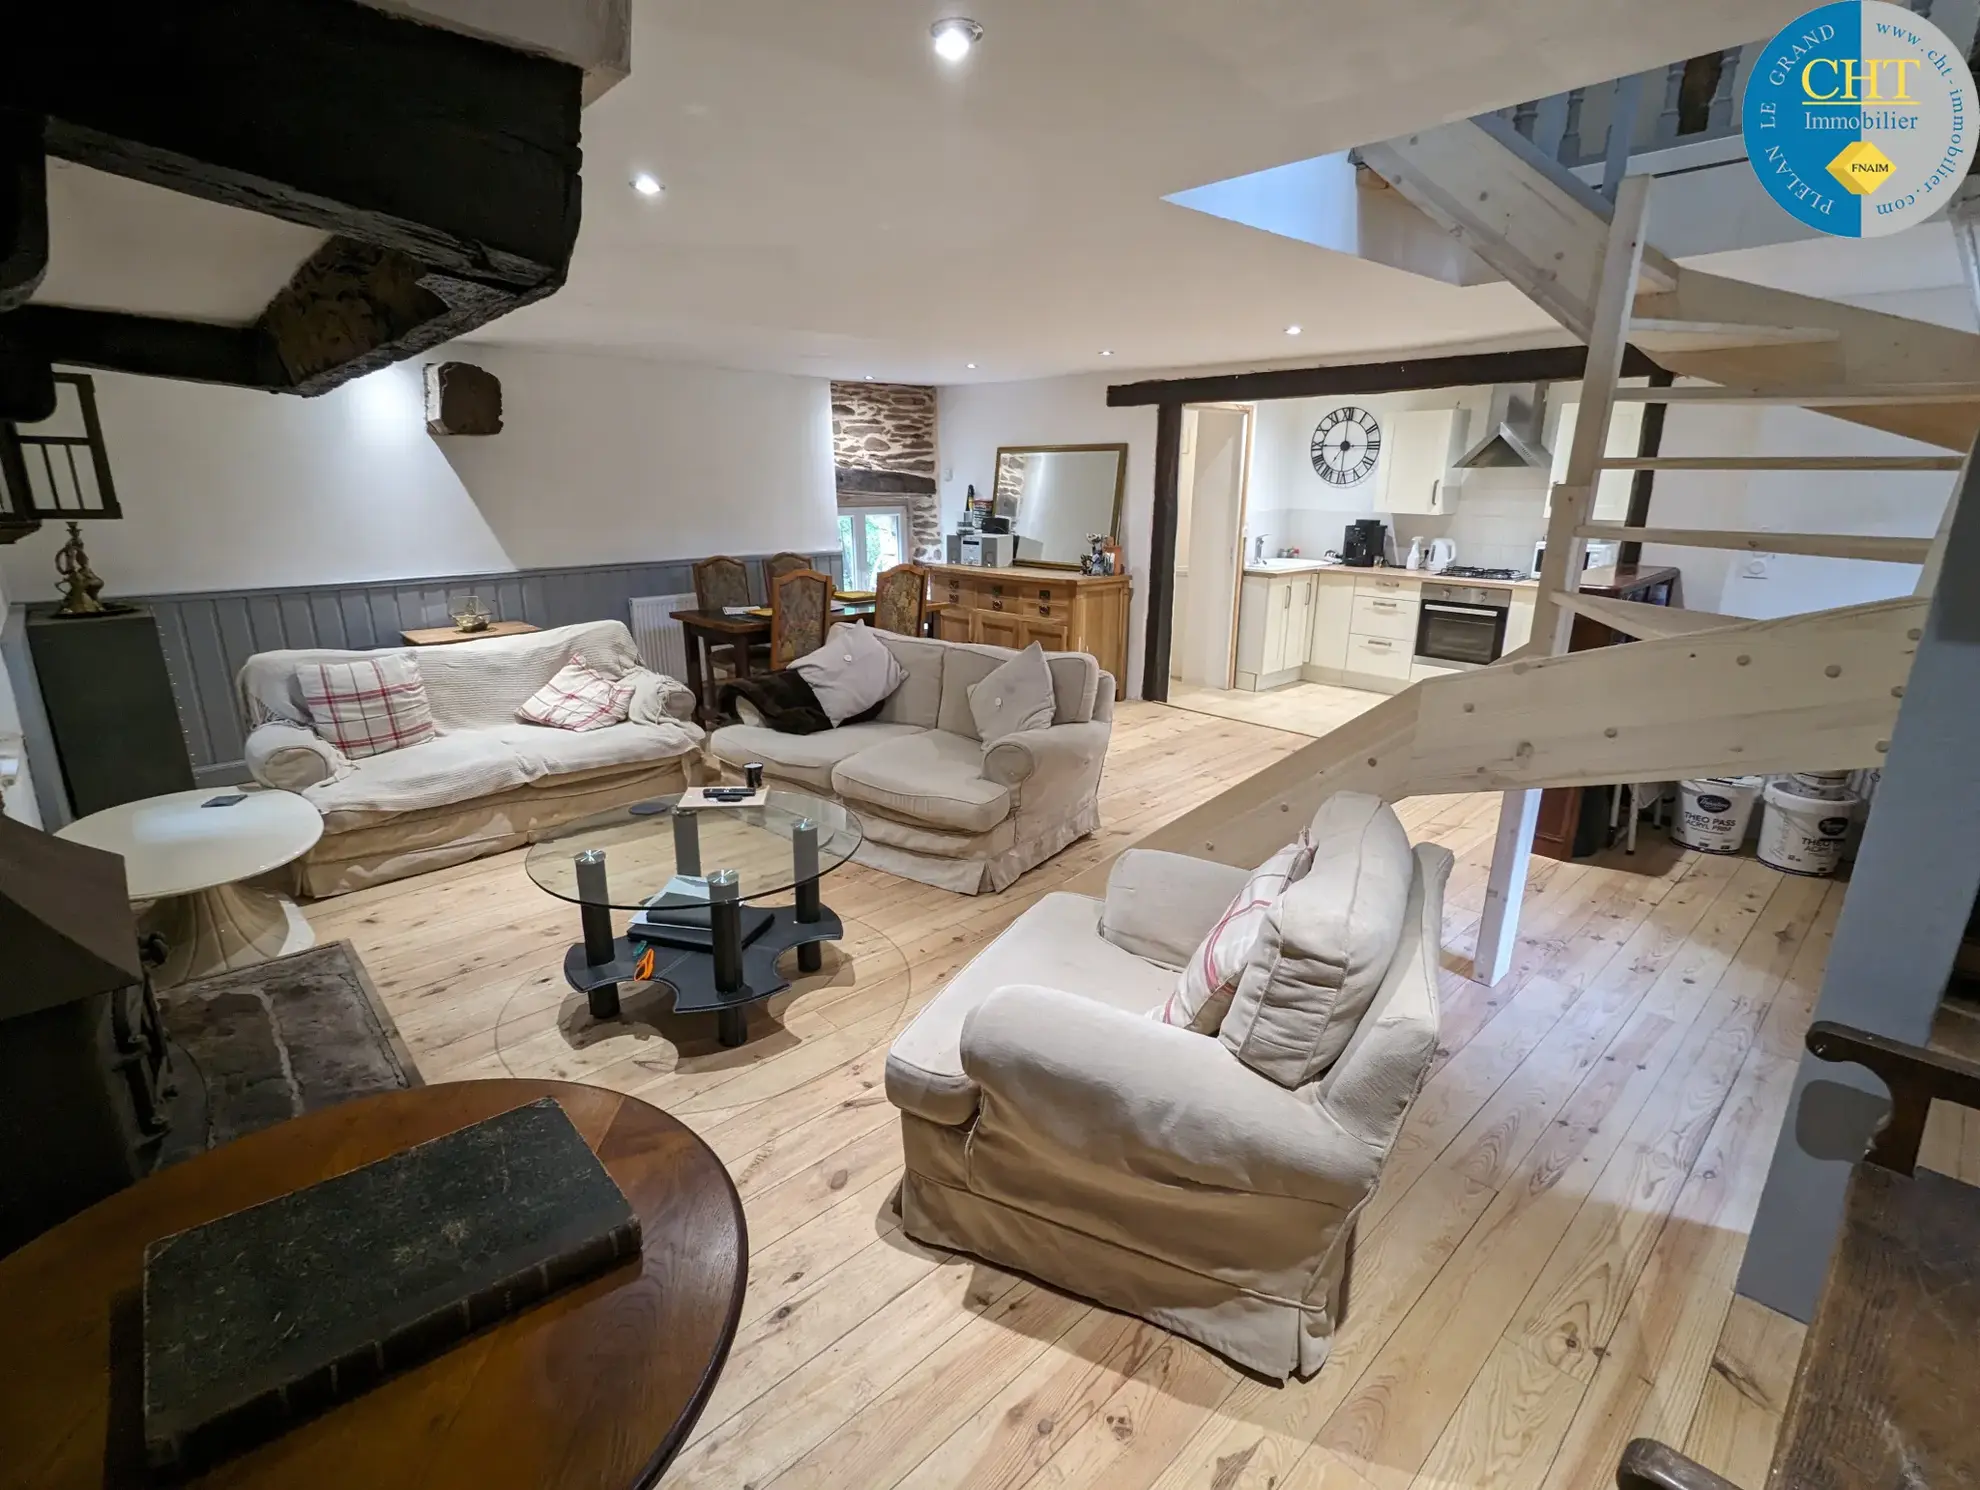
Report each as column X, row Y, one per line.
column 1275, row 567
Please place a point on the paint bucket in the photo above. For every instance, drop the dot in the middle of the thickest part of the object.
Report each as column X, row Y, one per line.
column 1802, row 833
column 1713, row 813
column 1834, row 785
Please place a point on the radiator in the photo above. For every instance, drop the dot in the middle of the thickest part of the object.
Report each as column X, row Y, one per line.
column 662, row 643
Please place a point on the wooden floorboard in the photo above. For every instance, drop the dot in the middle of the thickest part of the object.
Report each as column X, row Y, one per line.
column 1546, row 1269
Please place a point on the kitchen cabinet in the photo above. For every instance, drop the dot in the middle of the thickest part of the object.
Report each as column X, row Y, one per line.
column 1417, row 450
column 1612, row 488
column 1333, row 619
column 1519, row 620
column 1275, row 627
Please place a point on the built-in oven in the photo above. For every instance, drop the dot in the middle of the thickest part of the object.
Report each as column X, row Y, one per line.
column 1461, row 625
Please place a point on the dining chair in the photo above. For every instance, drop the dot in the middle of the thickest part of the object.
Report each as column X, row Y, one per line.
column 800, row 610
column 781, row 564
column 721, row 582
column 900, row 599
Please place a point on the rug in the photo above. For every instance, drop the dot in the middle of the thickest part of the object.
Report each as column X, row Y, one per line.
column 263, row 1044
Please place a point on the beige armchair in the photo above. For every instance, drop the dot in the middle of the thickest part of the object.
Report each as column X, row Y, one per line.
column 1208, row 1183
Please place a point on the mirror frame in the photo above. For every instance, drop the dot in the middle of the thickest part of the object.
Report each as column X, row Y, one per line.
column 1120, row 489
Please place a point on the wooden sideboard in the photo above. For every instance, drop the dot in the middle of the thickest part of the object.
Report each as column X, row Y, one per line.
column 1060, row 609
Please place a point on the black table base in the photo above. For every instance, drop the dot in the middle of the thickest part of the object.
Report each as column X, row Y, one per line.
column 724, row 978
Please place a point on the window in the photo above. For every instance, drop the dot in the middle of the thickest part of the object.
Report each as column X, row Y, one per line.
column 871, row 539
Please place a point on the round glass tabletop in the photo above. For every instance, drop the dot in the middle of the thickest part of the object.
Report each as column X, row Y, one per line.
column 633, row 856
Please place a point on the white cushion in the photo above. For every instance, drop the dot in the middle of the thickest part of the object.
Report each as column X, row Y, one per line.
column 851, row 673
column 1203, row 993
column 370, row 706
column 1016, row 696
column 579, row 698
column 1056, row 942
column 931, row 777
column 1324, row 945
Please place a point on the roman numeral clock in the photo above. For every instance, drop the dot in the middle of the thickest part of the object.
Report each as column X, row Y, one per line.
column 1346, row 445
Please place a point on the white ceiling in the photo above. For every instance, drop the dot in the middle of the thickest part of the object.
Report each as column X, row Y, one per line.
column 840, row 202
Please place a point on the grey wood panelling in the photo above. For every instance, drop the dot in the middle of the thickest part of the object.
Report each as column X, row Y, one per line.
column 208, row 636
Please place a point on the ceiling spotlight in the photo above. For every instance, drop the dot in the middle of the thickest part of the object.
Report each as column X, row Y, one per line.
column 647, row 184
column 1106, row 354
column 954, row 37
column 1292, row 331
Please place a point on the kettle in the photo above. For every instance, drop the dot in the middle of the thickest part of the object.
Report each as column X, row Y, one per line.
column 1443, row 554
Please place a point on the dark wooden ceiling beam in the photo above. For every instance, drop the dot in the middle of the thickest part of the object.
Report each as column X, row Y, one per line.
column 445, row 167
column 1538, row 365
column 150, row 346
column 456, row 151
column 23, row 208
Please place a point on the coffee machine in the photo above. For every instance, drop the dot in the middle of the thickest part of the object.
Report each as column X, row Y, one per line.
column 1366, row 544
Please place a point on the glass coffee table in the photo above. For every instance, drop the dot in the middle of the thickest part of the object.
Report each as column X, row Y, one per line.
column 692, row 875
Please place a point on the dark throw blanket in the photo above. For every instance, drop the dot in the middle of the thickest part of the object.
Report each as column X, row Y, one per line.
column 785, row 701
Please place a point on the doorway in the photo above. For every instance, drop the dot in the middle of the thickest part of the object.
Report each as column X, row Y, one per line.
column 1212, row 478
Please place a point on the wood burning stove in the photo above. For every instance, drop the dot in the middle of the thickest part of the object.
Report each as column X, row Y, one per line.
column 84, row 1072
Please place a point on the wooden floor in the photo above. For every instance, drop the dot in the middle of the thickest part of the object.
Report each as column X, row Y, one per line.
column 1545, row 1272
column 1304, row 708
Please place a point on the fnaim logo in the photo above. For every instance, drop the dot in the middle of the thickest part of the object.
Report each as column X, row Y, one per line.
column 1859, row 118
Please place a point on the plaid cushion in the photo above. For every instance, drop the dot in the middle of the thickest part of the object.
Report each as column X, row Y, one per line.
column 1204, row 992
column 369, row 707
column 578, row 698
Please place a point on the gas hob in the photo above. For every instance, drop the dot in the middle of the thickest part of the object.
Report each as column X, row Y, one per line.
column 1468, row 571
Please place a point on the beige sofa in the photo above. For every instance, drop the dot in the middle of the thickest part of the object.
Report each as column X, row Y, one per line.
column 935, row 805
column 488, row 782
column 1209, row 1183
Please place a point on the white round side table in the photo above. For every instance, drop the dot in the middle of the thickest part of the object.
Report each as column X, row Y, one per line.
column 188, row 859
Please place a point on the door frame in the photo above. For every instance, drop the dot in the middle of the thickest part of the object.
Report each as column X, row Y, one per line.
column 1241, row 509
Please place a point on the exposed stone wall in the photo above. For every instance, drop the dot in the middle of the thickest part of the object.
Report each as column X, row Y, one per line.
column 889, row 427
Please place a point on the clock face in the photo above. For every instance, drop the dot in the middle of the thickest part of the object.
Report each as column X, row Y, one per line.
column 1346, row 445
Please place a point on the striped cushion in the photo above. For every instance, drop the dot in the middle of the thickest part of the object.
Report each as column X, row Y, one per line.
column 578, row 698
column 367, row 707
column 1203, row 993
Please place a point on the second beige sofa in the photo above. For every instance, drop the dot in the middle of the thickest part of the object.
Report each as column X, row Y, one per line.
column 937, row 806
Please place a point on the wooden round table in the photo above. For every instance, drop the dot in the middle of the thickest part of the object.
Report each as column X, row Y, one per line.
column 595, row 1387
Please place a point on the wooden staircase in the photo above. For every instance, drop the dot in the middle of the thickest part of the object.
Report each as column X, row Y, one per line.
column 1701, row 694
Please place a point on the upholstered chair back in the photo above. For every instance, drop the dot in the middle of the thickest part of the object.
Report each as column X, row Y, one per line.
column 900, row 595
column 800, row 612
column 778, row 565
column 720, row 581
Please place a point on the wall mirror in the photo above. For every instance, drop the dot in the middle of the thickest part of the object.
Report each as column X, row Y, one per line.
column 1055, row 495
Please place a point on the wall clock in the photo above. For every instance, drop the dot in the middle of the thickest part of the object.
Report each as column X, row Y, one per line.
column 1346, row 445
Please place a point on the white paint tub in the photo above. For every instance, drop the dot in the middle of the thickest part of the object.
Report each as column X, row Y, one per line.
column 1831, row 784
column 1713, row 813
column 1803, row 833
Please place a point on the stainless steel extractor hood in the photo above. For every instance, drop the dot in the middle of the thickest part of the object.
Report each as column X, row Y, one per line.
column 1514, row 432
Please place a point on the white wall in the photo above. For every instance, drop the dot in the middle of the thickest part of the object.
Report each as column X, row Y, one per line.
column 600, row 459
column 1495, row 519
column 1889, row 503
column 974, row 419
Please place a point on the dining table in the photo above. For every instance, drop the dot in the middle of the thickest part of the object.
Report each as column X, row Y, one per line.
column 742, row 630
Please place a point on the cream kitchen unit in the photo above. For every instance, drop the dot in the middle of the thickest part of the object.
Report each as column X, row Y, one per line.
column 1356, row 628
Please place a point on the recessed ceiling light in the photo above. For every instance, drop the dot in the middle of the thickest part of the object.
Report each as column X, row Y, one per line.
column 954, row 37
column 647, row 184
column 970, row 365
column 1106, row 354
column 868, row 377
column 1292, row 331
